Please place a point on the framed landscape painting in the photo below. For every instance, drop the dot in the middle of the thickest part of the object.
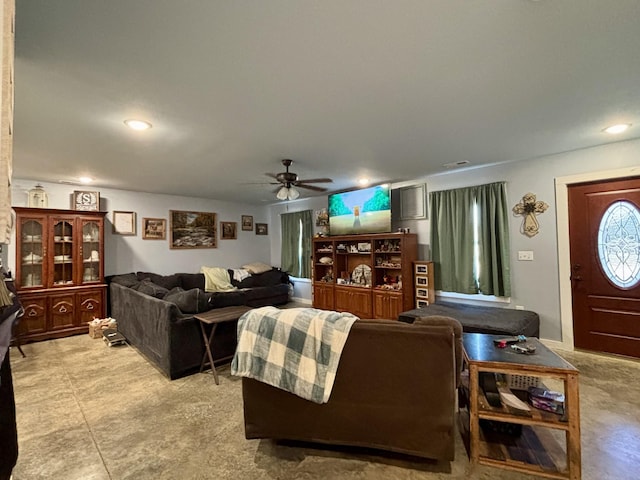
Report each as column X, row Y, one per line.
column 192, row 229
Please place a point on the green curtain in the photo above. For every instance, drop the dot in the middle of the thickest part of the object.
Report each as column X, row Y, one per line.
column 452, row 240
column 296, row 230
column 493, row 240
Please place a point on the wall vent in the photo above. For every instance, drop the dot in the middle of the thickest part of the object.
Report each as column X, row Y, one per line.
column 461, row 163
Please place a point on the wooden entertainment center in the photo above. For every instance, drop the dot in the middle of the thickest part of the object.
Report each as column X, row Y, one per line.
column 370, row 276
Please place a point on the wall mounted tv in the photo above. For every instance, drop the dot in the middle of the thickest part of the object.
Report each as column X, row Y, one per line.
column 367, row 210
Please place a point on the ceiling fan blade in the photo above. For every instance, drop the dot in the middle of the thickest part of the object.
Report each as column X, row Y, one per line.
column 272, row 175
column 260, row 183
column 311, row 187
column 316, row 180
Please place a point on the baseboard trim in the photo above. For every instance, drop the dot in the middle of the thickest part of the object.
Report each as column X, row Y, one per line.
column 301, row 300
column 556, row 345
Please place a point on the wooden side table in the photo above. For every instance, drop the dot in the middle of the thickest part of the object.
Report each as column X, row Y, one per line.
column 214, row 317
column 535, row 451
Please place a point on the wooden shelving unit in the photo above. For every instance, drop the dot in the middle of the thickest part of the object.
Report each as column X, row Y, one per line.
column 370, row 276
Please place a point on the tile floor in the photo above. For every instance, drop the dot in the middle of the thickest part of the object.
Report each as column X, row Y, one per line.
column 90, row 412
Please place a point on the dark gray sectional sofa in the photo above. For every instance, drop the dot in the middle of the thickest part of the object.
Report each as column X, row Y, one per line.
column 155, row 314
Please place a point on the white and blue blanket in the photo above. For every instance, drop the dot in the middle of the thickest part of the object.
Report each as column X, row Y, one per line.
column 295, row 349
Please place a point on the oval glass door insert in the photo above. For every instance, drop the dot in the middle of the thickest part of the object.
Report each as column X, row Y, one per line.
column 619, row 244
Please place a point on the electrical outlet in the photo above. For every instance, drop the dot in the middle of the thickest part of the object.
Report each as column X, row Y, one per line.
column 525, row 255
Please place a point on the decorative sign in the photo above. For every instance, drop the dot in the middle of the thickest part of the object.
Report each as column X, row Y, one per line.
column 86, row 201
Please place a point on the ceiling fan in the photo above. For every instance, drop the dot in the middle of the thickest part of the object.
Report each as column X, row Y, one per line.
column 288, row 181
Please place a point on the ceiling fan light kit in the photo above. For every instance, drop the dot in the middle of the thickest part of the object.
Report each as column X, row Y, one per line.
column 288, row 182
column 287, row 193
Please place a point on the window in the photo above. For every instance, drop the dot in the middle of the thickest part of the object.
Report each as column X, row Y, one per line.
column 470, row 240
column 297, row 230
column 619, row 244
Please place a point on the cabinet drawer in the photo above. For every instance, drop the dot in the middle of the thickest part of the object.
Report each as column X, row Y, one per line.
column 34, row 319
column 421, row 269
column 422, row 293
column 62, row 311
column 420, row 303
column 91, row 305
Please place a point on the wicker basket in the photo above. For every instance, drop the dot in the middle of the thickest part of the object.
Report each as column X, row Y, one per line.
column 98, row 325
column 522, row 382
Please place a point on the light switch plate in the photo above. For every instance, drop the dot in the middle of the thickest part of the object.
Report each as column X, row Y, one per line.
column 525, row 255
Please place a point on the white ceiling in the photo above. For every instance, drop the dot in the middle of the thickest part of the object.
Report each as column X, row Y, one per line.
column 387, row 89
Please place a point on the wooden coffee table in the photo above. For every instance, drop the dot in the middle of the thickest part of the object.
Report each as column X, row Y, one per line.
column 536, row 450
column 214, row 317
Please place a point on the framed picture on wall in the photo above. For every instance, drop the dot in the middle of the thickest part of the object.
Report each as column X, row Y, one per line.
column 192, row 229
column 262, row 229
column 247, row 222
column 228, row 230
column 154, row 229
column 124, row 223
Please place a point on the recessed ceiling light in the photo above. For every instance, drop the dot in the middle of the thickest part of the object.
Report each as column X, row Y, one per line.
column 85, row 179
column 137, row 124
column 363, row 181
column 614, row 129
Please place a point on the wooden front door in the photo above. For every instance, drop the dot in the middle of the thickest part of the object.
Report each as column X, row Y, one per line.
column 604, row 229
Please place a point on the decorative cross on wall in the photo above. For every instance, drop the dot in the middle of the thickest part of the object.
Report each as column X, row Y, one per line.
column 528, row 208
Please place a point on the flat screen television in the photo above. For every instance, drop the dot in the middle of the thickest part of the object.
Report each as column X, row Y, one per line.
column 367, row 210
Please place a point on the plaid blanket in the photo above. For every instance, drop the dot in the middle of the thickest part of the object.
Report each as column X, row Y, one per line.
column 294, row 349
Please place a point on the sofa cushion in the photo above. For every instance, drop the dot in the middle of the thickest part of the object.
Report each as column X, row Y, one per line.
column 257, row 267
column 166, row 281
column 189, row 281
column 266, row 279
column 149, row 288
column 227, row 299
column 126, row 280
column 273, row 277
column 188, row 301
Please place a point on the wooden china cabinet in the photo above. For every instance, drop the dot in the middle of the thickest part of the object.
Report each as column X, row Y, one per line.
column 59, row 271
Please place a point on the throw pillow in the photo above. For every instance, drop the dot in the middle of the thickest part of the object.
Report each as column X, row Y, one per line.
column 257, row 267
column 149, row 288
column 188, row 301
column 166, row 281
column 189, row 281
column 267, row 279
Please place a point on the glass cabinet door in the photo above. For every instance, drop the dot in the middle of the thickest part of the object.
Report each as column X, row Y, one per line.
column 63, row 236
column 33, row 251
column 91, row 251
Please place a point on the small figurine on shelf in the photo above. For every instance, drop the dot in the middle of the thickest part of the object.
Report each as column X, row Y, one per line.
column 328, row 277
